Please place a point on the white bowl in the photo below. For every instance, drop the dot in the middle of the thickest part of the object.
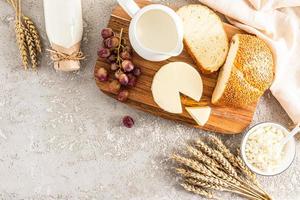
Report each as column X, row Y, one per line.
column 290, row 151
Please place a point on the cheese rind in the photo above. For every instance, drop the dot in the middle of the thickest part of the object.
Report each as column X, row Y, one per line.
column 173, row 79
column 199, row 114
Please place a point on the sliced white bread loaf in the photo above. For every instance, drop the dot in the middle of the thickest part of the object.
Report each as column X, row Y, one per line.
column 204, row 37
column 247, row 73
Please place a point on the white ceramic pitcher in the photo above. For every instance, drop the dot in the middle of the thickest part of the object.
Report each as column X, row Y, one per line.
column 136, row 13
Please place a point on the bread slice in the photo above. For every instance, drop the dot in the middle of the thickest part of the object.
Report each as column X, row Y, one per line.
column 204, row 37
column 247, row 73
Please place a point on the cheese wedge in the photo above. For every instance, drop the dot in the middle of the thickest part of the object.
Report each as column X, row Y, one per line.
column 173, row 79
column 199, row 114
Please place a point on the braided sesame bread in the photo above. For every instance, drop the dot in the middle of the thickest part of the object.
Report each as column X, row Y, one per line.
column 247, row 73
column 204, row 37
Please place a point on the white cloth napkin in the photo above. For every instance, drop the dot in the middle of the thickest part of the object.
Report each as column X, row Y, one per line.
column 278, row 23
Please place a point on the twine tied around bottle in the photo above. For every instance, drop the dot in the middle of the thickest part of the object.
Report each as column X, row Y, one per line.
column 57, row 56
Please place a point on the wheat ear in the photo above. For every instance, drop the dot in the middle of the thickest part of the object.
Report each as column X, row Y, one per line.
column 222, row 175
column 235, row 161
column 245, row 170
column 27, row 36
column 201, row 177
column 204, row 184
column 223, row 149
column 202, row 157
column 215, row 187
column 197, row 190
column 199, row 167
column 219, row 182
column 21, row 39
column 31, row 47
column 33, row 32
column 217, row 156
column 211, row 164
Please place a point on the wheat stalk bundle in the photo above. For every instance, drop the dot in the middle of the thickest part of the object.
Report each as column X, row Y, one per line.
column 212, row 167
column 27, row 36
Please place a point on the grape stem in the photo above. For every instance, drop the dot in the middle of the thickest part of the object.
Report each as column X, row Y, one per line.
column 119, row 59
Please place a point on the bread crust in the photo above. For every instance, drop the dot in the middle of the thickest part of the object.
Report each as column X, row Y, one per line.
column 244, row 95
column 199, row 65
column 204, row 69
column 251, row 75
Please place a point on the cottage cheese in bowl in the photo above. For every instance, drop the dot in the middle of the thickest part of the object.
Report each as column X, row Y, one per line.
column 262, row 151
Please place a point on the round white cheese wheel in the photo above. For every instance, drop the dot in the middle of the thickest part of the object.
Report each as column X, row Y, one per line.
column 173, row 79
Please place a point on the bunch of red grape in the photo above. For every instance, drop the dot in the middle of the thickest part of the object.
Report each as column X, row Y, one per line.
column 116, row 52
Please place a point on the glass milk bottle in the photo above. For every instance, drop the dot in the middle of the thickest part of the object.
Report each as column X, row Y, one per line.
column 64, row 27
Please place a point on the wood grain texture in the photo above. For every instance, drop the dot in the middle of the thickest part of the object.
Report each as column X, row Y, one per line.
column 222, row 120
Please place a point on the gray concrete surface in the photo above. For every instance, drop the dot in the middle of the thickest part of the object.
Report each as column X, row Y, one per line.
column 60, row 138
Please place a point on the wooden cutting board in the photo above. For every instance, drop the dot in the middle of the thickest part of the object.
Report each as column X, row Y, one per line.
column 222, row 120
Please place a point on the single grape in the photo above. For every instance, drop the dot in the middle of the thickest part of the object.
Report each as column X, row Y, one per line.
column 112, row 58
column 125, row 55
column 137, row 71
column 114, row 66
column 128, row 49
column 132, row 80
column 115, row 41
column 128, row 122
column 103, row 53
column 127, row 65
column 102, row 74
column 106, row 33
column 107, row 43
column 118, row 74
column 123, row 95
column 111, row 42
column 123, row 42
column 114, row 51
column 123, row 79
column 114, row 86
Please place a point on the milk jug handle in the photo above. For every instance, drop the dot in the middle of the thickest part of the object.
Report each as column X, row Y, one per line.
column 129, row 6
